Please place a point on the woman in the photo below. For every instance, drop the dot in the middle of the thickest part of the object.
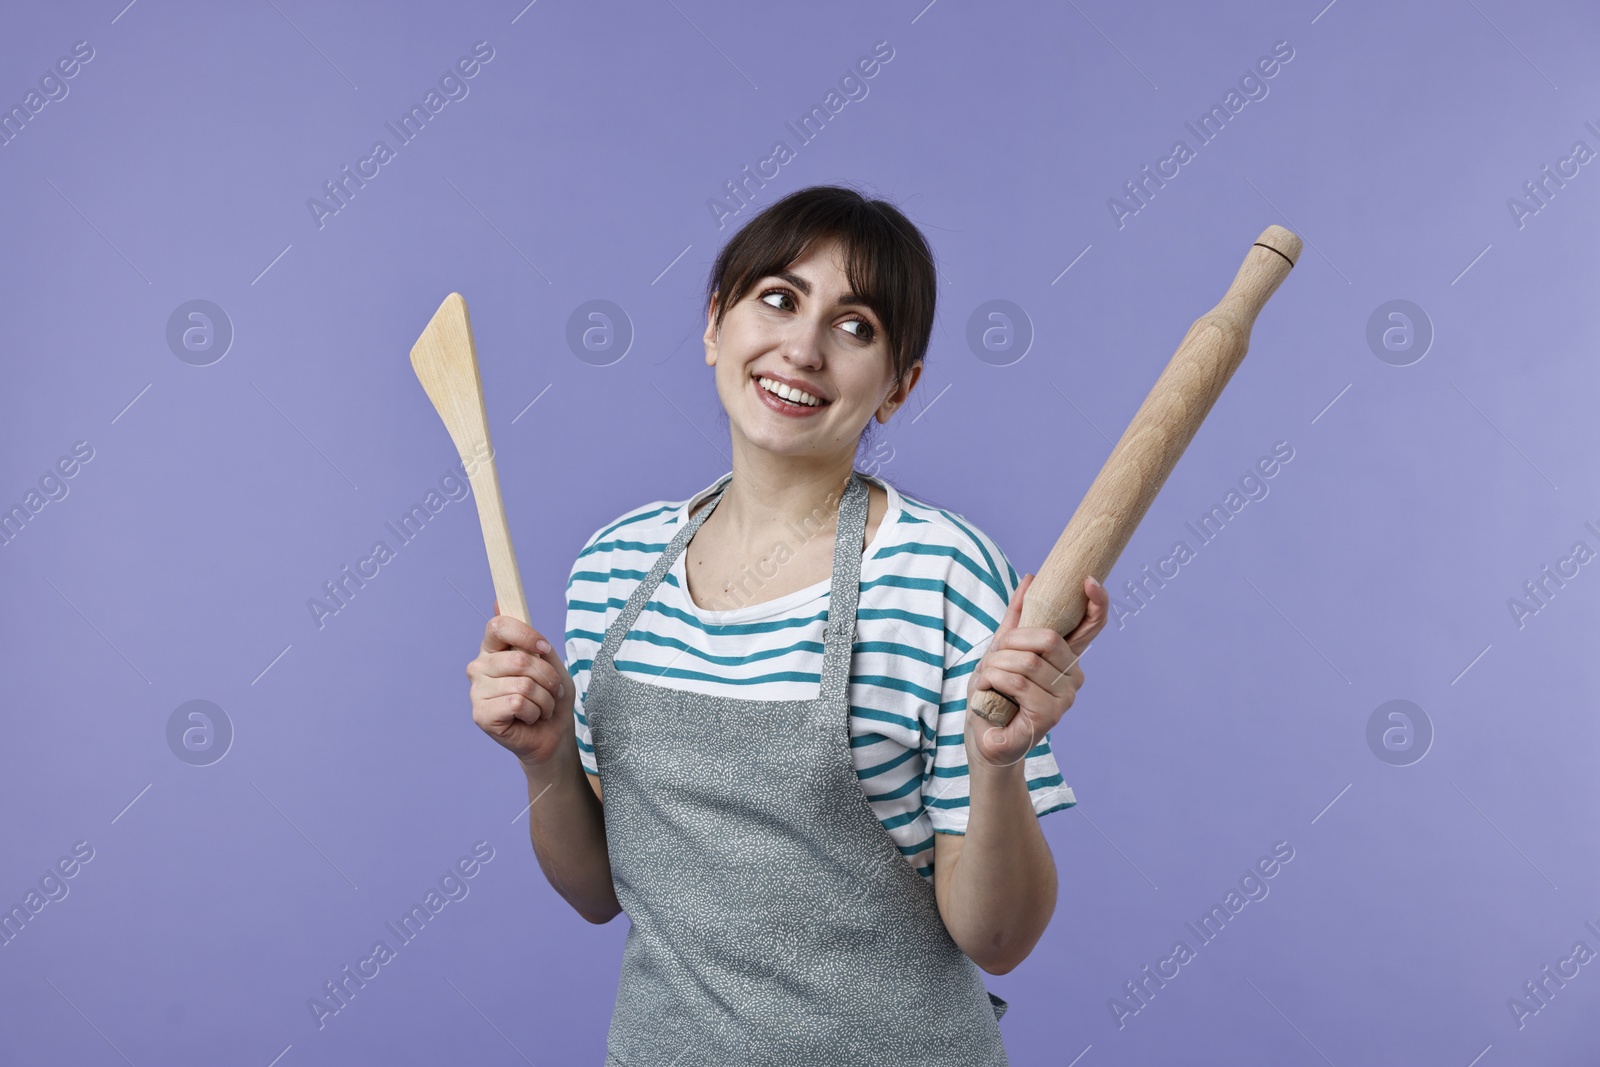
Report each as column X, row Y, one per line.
column 765, row 688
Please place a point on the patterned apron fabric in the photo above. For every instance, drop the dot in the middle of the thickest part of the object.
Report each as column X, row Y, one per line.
column 774, row 922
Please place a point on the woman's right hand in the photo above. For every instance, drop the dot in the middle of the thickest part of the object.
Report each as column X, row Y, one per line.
column 522, row 693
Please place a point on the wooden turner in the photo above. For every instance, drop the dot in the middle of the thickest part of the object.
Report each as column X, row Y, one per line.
column 446, row 362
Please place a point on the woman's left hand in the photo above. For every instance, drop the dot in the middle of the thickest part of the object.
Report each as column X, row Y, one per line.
column 1038, row 669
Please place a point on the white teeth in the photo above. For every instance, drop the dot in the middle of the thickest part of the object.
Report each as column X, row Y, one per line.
column 799, row 396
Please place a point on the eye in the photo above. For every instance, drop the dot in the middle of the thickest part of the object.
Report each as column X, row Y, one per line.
column 783, row 293
column 867, row 331
column 864, row 335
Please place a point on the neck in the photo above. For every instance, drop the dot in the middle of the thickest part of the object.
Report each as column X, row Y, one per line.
column 781, row 494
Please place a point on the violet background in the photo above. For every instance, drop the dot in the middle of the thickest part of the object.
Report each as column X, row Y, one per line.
column 1229, row 714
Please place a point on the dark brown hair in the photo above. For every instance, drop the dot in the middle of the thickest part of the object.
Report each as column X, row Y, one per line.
column 887, row 261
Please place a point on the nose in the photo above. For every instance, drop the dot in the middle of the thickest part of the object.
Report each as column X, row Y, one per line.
column 802, row 343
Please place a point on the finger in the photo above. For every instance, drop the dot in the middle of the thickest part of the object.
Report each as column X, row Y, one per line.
column 517, row 663
column 1041, row 670
column 493, row 638
column 1002, row 746
column 1094, row 619
column 1020, row 688
column 505, row 700
column 504, row 631
column 526, row 707
column 1041, row 641
column 536, row 701
column 523, row 709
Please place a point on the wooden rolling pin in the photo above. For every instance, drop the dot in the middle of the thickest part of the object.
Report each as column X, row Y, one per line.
column 1161, row 429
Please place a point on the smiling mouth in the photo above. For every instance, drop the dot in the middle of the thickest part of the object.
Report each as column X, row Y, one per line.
column 796, row 405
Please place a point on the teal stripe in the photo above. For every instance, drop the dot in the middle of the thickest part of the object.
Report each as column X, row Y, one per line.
column 989, row 573
column 898, row 685
column 989, row 621
column 662, row 641
column 912, row 850
column 632, row 519
column 655, row 607
column 650, row 670
column 984, row 574
column 887, row 765
column 926, row 622
column 602, row 577
column 606, row 548
column 959, row 643
column 1034, row 785
column 904, row 581
column 902, row 650
column 1041, row 749
column 875, row 715
column 960, row 670
column 897, row 821
column 593, row 607
column 896, row 649
column 895, row 794
column 653, row 548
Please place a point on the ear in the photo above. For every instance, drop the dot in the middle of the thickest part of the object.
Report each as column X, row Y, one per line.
column 892, row 402
column 711, row 331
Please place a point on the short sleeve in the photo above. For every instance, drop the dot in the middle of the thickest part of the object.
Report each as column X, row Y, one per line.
column 587, row 602
column 978, row 587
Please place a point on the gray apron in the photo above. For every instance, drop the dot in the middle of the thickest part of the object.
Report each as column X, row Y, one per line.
column 774, row 921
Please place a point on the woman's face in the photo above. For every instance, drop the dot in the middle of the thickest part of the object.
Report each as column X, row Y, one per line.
column 804, row 327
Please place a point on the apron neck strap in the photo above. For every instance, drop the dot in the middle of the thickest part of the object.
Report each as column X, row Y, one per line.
column 843, row 597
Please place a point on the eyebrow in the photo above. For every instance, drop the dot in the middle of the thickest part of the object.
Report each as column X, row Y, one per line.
column 805, row 287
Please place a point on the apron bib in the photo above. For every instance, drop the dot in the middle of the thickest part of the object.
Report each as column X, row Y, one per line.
column 774, row 922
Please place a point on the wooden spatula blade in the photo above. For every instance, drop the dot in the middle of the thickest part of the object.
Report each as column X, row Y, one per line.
column 446, row 363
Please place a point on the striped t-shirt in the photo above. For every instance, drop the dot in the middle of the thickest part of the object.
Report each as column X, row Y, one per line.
column 933, row 591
